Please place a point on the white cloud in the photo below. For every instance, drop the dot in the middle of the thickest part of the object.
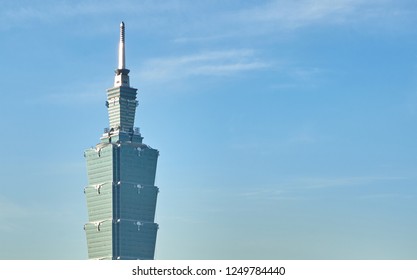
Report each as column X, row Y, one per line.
column 293, row 14
column 302, row 188
column 207, row 20
column 11, row 214
column 318, row 183
column 210, row 63
column 17, row 13
column 71, row 98
column 306, row 134
column 386, row 196
column 296, row 13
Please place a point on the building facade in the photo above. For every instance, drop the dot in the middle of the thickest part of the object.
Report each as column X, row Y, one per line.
column 121, row 193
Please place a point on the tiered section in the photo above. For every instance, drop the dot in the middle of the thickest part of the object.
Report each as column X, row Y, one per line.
column 121, row 104
column 99, row 195
column 121, row 200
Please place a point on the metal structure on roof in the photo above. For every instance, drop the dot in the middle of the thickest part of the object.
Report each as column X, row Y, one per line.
column 121, row 193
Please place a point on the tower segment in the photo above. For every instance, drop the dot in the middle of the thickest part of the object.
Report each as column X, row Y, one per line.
column 121, row 193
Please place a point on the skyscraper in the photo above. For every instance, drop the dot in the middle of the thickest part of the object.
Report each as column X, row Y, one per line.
column 121, row 193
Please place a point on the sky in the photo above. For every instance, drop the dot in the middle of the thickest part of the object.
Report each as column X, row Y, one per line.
column 286, row 129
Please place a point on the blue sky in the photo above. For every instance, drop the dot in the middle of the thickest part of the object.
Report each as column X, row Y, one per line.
column 286, row 128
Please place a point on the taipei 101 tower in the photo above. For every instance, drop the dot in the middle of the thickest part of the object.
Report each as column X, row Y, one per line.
column 121, row 192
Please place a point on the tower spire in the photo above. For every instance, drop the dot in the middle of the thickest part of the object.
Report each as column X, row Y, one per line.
column 122, row 77
column 122, row 46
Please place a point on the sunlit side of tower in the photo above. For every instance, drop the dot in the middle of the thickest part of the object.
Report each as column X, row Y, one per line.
column 121, row 193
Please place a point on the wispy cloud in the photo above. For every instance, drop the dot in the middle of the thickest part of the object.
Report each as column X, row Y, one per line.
column 199, row 18
column 14, row 13
column 11, row 214
column 279, row 14
column 386, row 196
column 210, row 63
column 91, row 92
column 261, row 192
column 304, row 188
column 293, row 14
column 297, row 13
column 50, row 10
column 306, row 134
column 319, row 183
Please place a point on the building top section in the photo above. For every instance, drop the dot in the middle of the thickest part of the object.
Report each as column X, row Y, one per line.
column 122, row 77
column 121, row 102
